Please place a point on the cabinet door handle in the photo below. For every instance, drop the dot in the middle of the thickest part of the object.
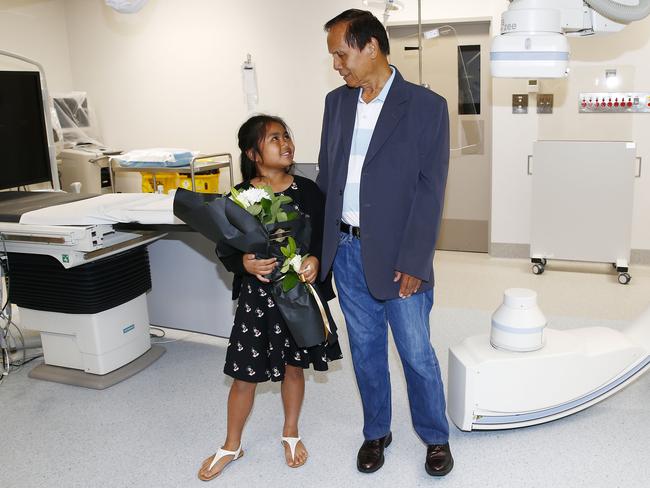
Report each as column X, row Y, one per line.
column 530, row 156
column 638, row 175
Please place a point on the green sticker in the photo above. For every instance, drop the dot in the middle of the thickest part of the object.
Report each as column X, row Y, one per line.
column 66, row 258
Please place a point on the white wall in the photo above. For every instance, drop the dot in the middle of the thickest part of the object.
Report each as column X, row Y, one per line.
column 170, row 75
column 37, row 29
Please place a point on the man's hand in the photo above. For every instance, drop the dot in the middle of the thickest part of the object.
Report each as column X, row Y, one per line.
column 309, row 269
column 259, row 267
column 409, row 284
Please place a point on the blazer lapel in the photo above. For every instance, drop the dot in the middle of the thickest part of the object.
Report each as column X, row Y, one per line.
column 393, row 110
column 348, row 115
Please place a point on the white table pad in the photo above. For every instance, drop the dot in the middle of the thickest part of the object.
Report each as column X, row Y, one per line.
column 143, row 208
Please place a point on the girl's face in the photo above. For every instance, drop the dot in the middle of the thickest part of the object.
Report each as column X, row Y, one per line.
column 276, row 149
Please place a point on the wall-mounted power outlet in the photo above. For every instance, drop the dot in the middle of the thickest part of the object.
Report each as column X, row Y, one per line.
column 544, row 103
column 519, row 103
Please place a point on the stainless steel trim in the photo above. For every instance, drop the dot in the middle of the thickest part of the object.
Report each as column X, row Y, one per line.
column 32, row 238
column 144, row 237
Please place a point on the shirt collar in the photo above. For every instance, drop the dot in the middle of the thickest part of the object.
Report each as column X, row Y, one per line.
column 384, row 91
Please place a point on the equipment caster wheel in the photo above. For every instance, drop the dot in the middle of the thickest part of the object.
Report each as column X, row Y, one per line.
column 538, row 269
column 624, row 278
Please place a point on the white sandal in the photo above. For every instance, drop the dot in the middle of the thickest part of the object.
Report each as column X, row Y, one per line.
column 292, row 442
column 217, row 456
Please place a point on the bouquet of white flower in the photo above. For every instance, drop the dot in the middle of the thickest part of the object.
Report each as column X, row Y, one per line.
column 258, row 221
column 264, row 204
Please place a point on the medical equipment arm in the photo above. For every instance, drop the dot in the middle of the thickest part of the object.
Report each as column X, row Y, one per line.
column 533, row 42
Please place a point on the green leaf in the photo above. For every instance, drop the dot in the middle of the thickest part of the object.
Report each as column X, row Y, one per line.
column 281, row 216
column 292, row 216
column 275, row 202
column 285, row 267
column 284, row 199
column 254, row 209
column 290, row 281
column 292, row 245
column 234, row 194
column 285, row 252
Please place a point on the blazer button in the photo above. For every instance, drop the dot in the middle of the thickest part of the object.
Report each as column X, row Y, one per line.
column 341, row 192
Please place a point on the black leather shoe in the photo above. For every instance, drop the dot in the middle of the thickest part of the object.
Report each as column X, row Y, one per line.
column 439, row 460
column 371, row 454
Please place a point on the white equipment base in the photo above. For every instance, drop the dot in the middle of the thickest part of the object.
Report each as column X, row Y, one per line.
column 77, row 377
column 95, row 343
column 492, row 389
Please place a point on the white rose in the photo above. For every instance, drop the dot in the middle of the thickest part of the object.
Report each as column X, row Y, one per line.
column 296, row 263
column 243, row 200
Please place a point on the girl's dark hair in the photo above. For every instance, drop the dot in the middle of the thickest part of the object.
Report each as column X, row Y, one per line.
column 362, row 27
column 250, row 135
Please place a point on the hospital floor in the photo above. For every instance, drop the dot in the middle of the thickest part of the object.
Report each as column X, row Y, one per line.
column 154, row 429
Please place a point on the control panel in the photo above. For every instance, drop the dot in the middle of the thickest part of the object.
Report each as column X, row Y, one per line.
column 619, row 102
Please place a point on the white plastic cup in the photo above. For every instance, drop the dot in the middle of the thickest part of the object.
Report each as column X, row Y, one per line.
column 75, row 187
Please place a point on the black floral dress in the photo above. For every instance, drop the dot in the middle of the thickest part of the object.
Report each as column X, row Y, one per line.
column 260, row 343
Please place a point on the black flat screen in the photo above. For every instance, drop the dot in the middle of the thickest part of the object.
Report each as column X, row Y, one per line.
column 24, row 156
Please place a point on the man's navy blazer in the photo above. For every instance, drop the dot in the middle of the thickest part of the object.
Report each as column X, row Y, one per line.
column 402, row 182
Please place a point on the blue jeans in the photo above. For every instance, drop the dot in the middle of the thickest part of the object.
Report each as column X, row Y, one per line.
column 367, row 321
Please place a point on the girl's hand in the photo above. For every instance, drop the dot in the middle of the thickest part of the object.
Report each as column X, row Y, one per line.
column 309, row 269
column 259, row 267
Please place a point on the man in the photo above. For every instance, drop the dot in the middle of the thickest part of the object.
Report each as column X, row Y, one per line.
column 383, row 166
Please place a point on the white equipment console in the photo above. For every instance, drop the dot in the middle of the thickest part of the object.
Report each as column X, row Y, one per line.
column 88, row 166
column 72, row 245
column 84, row 289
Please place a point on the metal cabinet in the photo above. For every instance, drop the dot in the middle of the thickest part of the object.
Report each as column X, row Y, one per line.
column 582, row 202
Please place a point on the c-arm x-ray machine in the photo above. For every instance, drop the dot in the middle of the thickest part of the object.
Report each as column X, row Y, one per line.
column 491, row 388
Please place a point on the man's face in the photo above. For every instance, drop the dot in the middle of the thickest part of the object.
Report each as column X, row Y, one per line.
column 352, row 64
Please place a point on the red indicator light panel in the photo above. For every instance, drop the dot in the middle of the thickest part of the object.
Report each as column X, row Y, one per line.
column 607, row 103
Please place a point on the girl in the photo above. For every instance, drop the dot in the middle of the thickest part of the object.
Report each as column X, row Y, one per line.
column 261, row 347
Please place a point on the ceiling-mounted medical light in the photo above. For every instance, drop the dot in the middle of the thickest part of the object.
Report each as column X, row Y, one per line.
column 387, row 5
column 126, row 6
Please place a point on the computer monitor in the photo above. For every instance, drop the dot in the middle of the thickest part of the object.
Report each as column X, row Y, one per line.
column 24, row 152
column 72, row 111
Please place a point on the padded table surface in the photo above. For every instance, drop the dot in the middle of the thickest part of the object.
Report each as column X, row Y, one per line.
column 13, row 204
